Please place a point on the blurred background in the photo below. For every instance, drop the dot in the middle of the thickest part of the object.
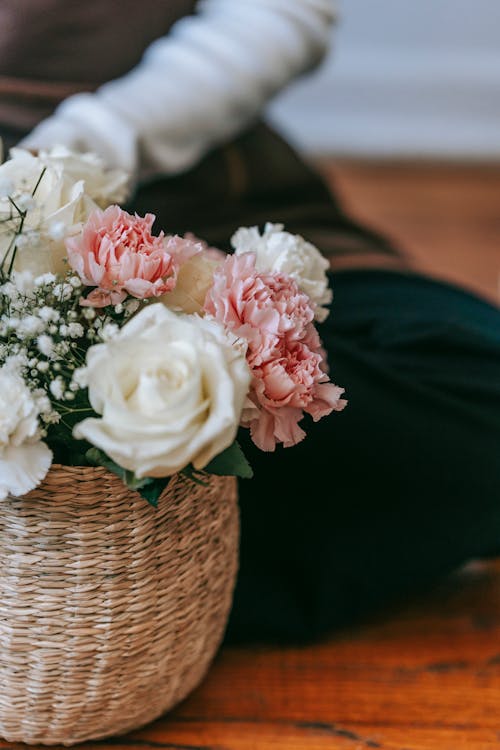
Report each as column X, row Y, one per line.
column 404, row 119
column 404, row 78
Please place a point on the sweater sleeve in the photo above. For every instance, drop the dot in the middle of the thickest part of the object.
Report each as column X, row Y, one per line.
column 196, row 87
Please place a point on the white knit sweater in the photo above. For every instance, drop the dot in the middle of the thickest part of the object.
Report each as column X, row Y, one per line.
column 196, row 87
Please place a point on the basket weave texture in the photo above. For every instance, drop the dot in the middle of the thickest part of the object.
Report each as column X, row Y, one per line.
column 110, row 611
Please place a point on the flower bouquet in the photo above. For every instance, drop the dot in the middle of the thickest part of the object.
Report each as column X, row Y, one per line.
column 128, row 362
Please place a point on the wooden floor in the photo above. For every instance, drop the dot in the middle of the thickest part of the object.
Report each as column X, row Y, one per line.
column 446, row 217
column 427, row 675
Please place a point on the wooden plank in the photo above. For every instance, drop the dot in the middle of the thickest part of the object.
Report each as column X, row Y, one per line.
column 426, row 677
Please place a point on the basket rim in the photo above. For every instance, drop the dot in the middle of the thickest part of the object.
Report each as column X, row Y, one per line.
column 61, row 477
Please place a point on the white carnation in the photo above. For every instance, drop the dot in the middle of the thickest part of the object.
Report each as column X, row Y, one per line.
column 24, row 458
column 282, row 252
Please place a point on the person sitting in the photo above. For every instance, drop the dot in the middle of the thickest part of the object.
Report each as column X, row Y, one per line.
column 404, row 484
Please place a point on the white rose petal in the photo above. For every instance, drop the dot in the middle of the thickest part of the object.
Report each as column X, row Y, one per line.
column 73, row 185
column 195, row 278
column 170, row 389
column 280, row 251
column 102, row 185
column 6, row 188
column 57, row 200
column 26, row 202
column 21, row 241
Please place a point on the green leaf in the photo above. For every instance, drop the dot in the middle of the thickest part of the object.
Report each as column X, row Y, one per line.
column 152, row 492
column 96, row 457
column 194, row 475
column 231, row 462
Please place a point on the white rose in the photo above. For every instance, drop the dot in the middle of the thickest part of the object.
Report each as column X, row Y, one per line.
column 102, row 185
column 24, row 458
column 58, row 202
column 280, row 251
column 71, row 188
column 170, row 389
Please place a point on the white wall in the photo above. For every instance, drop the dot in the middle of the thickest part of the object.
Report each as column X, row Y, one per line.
column 405, row 77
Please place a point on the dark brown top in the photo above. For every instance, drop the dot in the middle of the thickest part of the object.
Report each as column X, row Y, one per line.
column 50, row 49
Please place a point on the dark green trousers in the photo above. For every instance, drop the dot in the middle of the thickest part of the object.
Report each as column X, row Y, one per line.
column 399, row 488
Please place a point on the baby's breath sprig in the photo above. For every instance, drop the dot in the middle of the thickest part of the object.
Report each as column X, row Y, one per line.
column 44, row 335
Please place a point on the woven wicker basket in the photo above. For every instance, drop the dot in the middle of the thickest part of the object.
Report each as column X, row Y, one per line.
column 110, row 611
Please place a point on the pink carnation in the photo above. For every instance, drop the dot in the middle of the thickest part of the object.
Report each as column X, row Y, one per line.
column 274, row 317
column 262, row 308
column 117, row 253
